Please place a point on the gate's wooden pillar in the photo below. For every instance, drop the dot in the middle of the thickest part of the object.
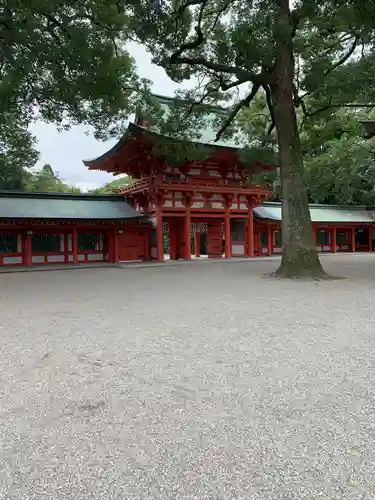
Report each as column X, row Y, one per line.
column 250, row 230
column 29, row 248
column 75, row 245
column 269, row 240
column 187, row 226
column 159, row 235
column 115, row 245
column 370, row 239
column 187, row 235
column 228, row 241
column 334, row 238
column 227, row 232
column 353, row 239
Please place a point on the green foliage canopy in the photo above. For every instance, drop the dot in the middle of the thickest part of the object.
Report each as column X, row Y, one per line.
column 231, row 44
column 110, row 187
column 63, row 62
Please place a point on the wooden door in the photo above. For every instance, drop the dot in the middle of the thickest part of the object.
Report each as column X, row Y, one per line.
column 132, row 245
column 214, row 240
column 173, row 240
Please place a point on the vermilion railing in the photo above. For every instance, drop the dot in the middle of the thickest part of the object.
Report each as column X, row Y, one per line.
column 163, row 180
column 214, row 183
column 135, row 187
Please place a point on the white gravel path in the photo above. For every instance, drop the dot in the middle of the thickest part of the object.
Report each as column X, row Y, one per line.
column 192, row 382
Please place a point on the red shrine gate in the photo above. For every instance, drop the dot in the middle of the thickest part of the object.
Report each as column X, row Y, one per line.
column 202, row 197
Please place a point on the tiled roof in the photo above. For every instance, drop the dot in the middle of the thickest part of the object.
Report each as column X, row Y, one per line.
column 321, row 213
column 15, row 205
column 210, row 128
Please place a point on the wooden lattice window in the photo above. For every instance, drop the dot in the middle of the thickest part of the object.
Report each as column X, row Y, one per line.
column 264, row 238
column 89, row 242
column 238, row 231
column 322, row 238
column 341, row 237
column 8, row 243
column 46, row 242
column 278, row 238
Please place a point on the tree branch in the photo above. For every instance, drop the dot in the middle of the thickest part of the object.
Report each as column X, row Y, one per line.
column 218, row 14
column 329, row 106
column 227, row 86
column 337, row 64
column 201, row 100
column 242, row 74
column 344, row 58
column 244, row 102
column 199, row 38
column 54, row 22
column 267, row 90
column 188, row 3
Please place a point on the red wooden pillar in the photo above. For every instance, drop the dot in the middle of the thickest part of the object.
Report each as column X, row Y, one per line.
column 197, row 244
column 228, row 242
column 75, row 245
column 370, row 239
column 159, row 235
column 334, row 238
column 258, row 243
column 187, row 234
column 269, row 240
column 250, row 232
column 353, row 239
column 147, row 246
column 115, row 245
column 110, row 245
column 29, row 248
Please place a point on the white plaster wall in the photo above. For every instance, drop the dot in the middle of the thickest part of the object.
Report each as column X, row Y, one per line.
column 38, row 259
column 12, row 260
column 238, row 249
column 95, row 256
column 55, row 258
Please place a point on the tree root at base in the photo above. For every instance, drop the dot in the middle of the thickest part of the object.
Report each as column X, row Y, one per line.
column 304, row 274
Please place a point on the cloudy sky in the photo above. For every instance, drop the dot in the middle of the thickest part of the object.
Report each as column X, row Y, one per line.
column 64, row 151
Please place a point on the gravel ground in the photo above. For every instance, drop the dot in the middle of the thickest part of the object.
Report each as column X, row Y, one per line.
column 191, row 382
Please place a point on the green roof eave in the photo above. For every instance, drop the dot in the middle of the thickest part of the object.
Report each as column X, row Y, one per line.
column 134, row 129
column 114, row 149
column 65, row 206
column 353, row 214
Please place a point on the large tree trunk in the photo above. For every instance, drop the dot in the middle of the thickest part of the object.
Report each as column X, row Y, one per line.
column 299, row 256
